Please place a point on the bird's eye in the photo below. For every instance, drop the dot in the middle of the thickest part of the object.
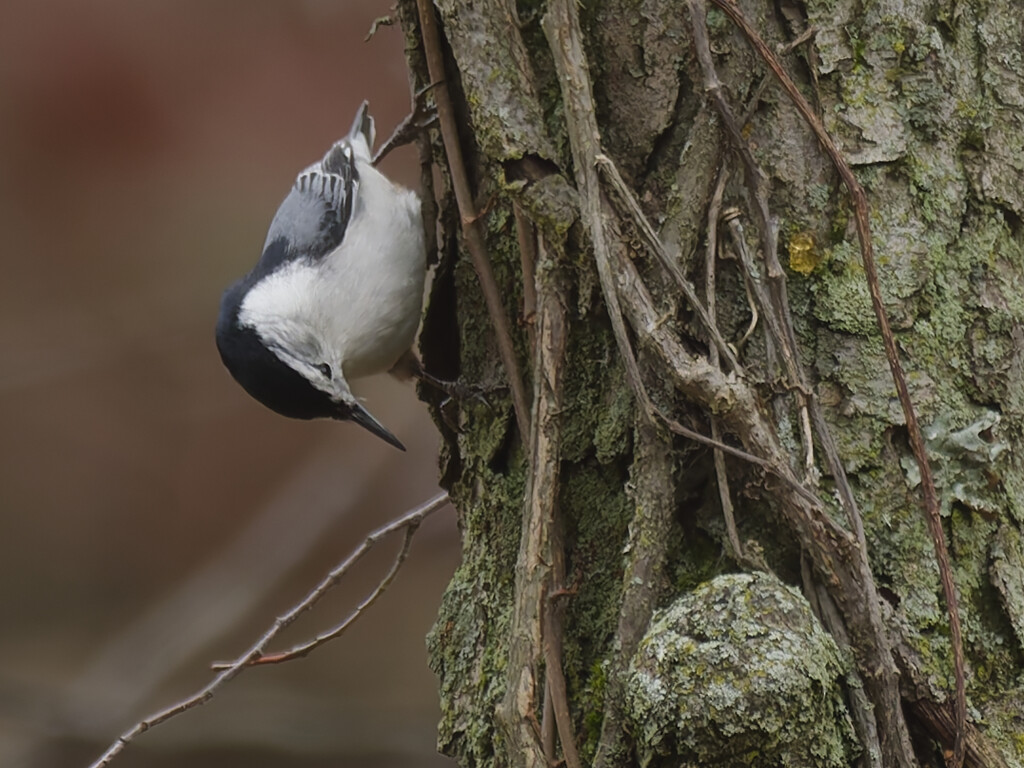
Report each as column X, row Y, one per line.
column 325, row 369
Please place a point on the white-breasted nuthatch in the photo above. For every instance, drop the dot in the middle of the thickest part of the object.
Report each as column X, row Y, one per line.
column 337, row 293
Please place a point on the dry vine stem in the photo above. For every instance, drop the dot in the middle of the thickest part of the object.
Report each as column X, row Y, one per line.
column 838, row 559
column 471, row 233
column 408, row 523
column 533, row 582
column 862, row 220
column 710, row 266
column 883, row 678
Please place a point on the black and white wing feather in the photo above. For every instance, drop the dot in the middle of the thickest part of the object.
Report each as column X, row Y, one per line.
column 311, row 221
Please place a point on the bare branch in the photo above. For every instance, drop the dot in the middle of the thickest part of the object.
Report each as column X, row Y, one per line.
column 304, row 649
column 411, row 519
column 216, row 596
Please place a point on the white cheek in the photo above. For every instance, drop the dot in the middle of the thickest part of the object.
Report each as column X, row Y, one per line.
column 278, row 301
column 278, row 308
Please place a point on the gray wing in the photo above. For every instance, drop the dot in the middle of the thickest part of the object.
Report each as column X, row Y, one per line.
column 311, row 221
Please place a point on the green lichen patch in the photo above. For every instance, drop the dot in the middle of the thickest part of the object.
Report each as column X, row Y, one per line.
column 1008, row 576
column 465, row 644
column 738, row 672
column 597, row 513
column 1004, row 725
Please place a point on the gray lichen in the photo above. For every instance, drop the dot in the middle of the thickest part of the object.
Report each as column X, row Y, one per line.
column 925, row 98
column 739, row 672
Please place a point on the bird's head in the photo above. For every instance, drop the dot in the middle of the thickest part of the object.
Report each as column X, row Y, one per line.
column 276, row 353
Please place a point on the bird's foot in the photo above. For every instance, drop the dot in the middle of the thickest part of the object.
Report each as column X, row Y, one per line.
column 408, row 366
column 456, row 390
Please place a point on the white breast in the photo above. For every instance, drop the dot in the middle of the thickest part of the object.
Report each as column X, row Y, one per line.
column 357, row 308
column 372, row 286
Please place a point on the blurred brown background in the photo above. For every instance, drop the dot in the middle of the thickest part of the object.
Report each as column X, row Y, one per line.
column 152, row 517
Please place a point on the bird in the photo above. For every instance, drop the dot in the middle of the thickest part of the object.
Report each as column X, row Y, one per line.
column 336, row 294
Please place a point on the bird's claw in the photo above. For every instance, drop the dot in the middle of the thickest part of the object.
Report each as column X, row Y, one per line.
column 456, row 390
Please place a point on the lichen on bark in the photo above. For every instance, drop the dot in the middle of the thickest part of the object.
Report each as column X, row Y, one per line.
column 925, row 100
column 739, row 672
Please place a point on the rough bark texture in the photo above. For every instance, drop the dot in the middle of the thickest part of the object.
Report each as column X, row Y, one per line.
column 926, row 100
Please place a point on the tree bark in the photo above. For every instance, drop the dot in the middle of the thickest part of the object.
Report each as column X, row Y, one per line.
column 709, row 546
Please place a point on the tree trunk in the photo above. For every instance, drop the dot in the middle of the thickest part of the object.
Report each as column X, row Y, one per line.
column 709, row 546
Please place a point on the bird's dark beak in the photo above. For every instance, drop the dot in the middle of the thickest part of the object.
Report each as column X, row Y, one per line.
column 362, row 417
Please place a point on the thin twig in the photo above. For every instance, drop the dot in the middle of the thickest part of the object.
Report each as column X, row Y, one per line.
column 862, row 220
column 218, row 594
column 411, row 518
column 304, row 649
column 754, row 101
column 468, row 214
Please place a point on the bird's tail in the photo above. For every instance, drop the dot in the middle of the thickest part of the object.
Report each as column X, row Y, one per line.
column 362, row 134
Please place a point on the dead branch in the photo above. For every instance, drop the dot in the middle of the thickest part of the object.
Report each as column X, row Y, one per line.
column 411, row 519
column 221, row 592
column 304, row 649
